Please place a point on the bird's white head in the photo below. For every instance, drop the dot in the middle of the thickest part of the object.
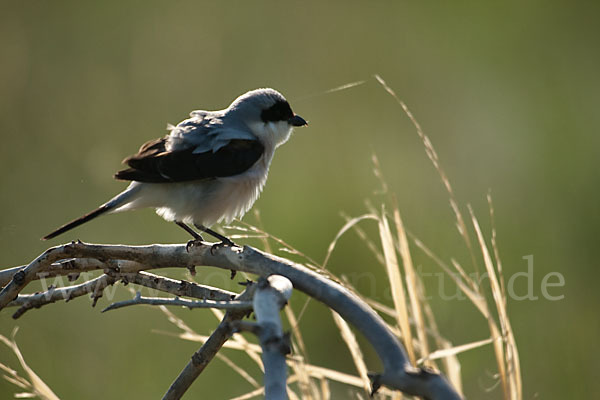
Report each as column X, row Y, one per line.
column 267, row 114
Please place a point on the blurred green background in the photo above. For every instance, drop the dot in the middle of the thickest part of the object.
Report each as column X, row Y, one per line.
column 507, row 92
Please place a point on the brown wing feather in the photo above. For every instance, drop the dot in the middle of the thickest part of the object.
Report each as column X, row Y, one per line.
column 148, row 149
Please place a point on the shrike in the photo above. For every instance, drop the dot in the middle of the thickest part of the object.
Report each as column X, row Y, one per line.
column 209, row 168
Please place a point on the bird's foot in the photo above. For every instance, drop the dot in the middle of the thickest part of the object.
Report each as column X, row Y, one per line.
column 193, row 243
column 223, row 243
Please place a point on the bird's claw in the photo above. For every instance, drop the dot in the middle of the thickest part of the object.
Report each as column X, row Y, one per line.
column 222, row 243
column 192, row 243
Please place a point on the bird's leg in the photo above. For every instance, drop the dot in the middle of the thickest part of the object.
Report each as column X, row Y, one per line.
column 197, row 238
column 189, row 230
column 224, row 241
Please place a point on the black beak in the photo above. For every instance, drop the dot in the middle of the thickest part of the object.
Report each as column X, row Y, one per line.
column 297, row 120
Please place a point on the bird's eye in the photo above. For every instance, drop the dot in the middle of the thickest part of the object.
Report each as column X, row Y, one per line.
column 280, row 111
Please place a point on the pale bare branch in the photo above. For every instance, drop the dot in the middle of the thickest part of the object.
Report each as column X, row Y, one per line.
column 163, row 301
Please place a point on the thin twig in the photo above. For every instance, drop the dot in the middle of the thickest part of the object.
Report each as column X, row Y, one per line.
column 178, row 287
column 163, row 301
column 29, row 301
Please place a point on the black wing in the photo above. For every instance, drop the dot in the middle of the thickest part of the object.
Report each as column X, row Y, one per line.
column 153, row 163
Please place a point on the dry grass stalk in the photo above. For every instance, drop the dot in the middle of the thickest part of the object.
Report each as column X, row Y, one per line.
column 354, row 349
column 411, row 284
column 396, row 285
column 34, row 385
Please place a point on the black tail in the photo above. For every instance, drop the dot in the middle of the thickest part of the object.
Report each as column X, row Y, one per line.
column 75, row 223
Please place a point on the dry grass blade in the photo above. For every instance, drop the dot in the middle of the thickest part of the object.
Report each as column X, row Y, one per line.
column 379, row 174
column 398, row 294
column 283, row 243
column 472, row 283
column 332, row 90
column 304, row 383
column 14, row 378
column 512, row 354
column 474, row 296
column 219, row 315
column 37, row 385
column 325, row 392
column 382, row 308
column 510, row 377
column 451, row 351
column 451, row 363
column 238, row 369
column 433, row 157
column 264, row 239
column 230, row 344
column 308, row 389
column 514, row 366
column 294, row 396
column 412, row 283
column 396, row 396
column 500, row 359
column 260, row 391
column 341, row 377
column 18, row 383
column 291, row 317
column 495, row 245
column 250, row 395
column 452, row 367
column 178, row 322
column 349, row 224
column 344, row 87
column 366, row 240
column 355, row 351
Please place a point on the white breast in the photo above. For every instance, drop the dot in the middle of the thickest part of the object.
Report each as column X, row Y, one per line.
column 210, row 201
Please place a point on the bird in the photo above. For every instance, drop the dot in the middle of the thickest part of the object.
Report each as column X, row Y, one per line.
column 209, row 168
